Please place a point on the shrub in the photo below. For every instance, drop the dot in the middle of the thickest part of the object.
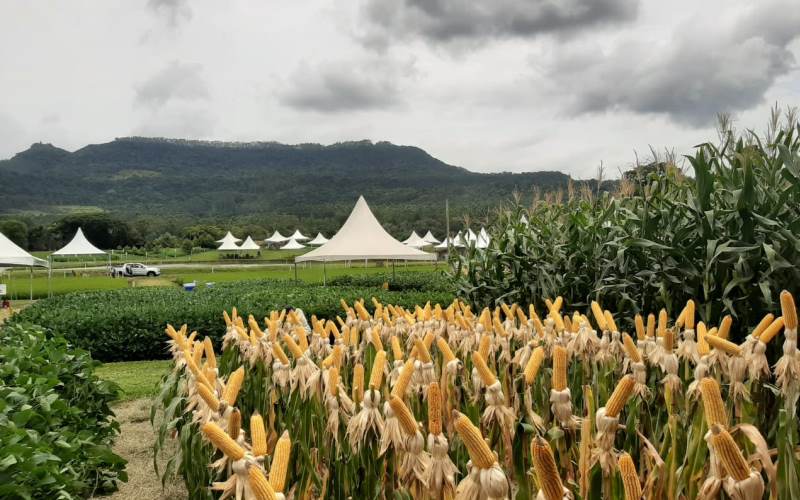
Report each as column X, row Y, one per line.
column 128, row 324
column 56, row 425
column 425, row 281
column 726, row 238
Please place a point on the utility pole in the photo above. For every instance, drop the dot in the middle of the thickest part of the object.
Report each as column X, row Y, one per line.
column 447, row 223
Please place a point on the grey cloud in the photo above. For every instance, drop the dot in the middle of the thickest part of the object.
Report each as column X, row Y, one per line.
column 179, row 120
column 691, row 79
column 345, row 86
column 459, row 20
column 176, row 81
column 174, row 11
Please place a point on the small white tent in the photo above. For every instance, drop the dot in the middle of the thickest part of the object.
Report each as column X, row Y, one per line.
column 79, row 246
column 413, row 238
column 298, row 236
column 293, row 244
column 229, row 238
column 276, row 237
column 249, row 244
column 362, row 237
column 430, row 238
column 229, row 246
column 319, row 240
column 414, row 241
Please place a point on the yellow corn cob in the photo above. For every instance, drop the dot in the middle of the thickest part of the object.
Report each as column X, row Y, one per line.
column 537, row 324
column 438, row 312
column 713, row 406
column 280, row 463
column 681, row 318
column 233, row 386
column 211, row 359
column 434, row 409
column 521, row 316
column 375, row 338
column 403, row 380
column 630, row 479
column 333, row 381
column 702, row 345
column 211, row 375
column 259, row 485
column 498, row 328
column 788, row 310
column 558, row 321
column 772, row 330
column 397, row 351
column 279, row 354
column 486, row 374
column 484, row 345
column 616, row 402
column 532, row 311
column 226, row 317
column 612, row 326
column 208, row 396
column 544, row 464
column 444, row 348
column 507, row 311
column 422, row 351
column 724, row 345
column 344, row 305
column 404, row 415
column 631, row 349
column 358, row 383
column 197, row 352
column 651, row 325
column 729, row 453
column 258, row 435
column 332, row 328
column 725, row 327
column 559, row 368
column 599, row 316
column 253, row 324
column 533, row 365
column 291, row 318
column 479, row 452
column 762, row 325
column 223, row 441
column 234, row 423
column 354, row 333
column 558, row 303
column 198, row 375
column 690, row 313
column 668, row 340
column 302, row 338
column 361, row 311
column 567, row 323
column 662, row 322
column 273, row 329
column 428, row 339
column 639, row 322
column 293, row 347
column 376, row 376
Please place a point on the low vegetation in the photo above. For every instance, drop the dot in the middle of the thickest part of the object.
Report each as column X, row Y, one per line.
column 56, row 425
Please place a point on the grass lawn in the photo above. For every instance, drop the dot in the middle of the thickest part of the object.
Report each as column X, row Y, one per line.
column 138, row 379
column 19, row 283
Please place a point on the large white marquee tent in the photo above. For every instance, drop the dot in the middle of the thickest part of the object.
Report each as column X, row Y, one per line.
column 249, row 244
column 298, row 236
column 12, row 255
column 229, row 238
column 79, row 245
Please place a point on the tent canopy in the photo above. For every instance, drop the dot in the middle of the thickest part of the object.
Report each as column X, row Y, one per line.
column 79, row 246
column 249, row 244
column 293, row 244
column 413, row 238
column 229, row 246
column 414, row 241
column 229, row 237
column 276, row 237
column 430, row 238
column 11, row 255
column 319, row 240
column 297, row 236
column 363, row 237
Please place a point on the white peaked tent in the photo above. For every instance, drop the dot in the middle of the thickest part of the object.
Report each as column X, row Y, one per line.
column 413, row 238
column 298, row 236
column 524, row 220
column 430, row 238
column 292, row 244
column 319, row 240
column 11, row 255
column 79, row 246
column 456, row 242
column 249, row 244
column 362, row 237
column 229, row 238
column 483, row 239
column 276, row 237
column 229, row 246
column 414, row 241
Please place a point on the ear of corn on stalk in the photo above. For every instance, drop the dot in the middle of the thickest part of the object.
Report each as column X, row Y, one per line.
column 280, row 462
column 233, row 386
column 544, row 464
column 729, row 453
column 788, row 310
column 404, row 415
column 258, row 435
column 559, row 368
column 630, row 479
column 616, row 402
column 259, row 485
column 376, row 376
column 772, row 330
column 223, row 441
column 713, row 406
column 234, row 424
column 434, row 409
column 533, row 364
column 485, row 373
column 630, row 348
column 479, row 452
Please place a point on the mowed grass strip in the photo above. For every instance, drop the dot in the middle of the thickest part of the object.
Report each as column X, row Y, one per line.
column 138, row 379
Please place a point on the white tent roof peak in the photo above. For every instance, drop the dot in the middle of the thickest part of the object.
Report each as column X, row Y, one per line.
column 413, row 238
column 12, row 255
column 319, row 240
column 229, row 246
column 229, row 238
column 292, row 244
column 414, row 241
column 249, row 244
column 362, row 237
column 79, row 246
column 430, row 238
column 276, row 237
column 297, row 236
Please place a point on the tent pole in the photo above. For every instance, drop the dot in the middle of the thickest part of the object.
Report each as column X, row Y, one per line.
column 295, row 272
column 324, row 275
column 31, row 269
column 394, row 276
column 50, row 277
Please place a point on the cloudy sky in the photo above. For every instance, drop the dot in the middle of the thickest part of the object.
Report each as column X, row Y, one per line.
column 490, row 85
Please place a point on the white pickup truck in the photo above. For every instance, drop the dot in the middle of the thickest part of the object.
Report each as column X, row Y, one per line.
column 130, row 270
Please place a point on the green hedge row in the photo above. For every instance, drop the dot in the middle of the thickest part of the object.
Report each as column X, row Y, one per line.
column 399, row 282
column 56, row 425
column 127, row 325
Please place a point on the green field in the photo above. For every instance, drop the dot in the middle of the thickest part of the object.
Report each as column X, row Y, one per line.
column 65, row 282
column 137, row 379
column 172, row 255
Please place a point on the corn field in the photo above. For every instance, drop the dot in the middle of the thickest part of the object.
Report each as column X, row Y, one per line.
column 443, row 402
